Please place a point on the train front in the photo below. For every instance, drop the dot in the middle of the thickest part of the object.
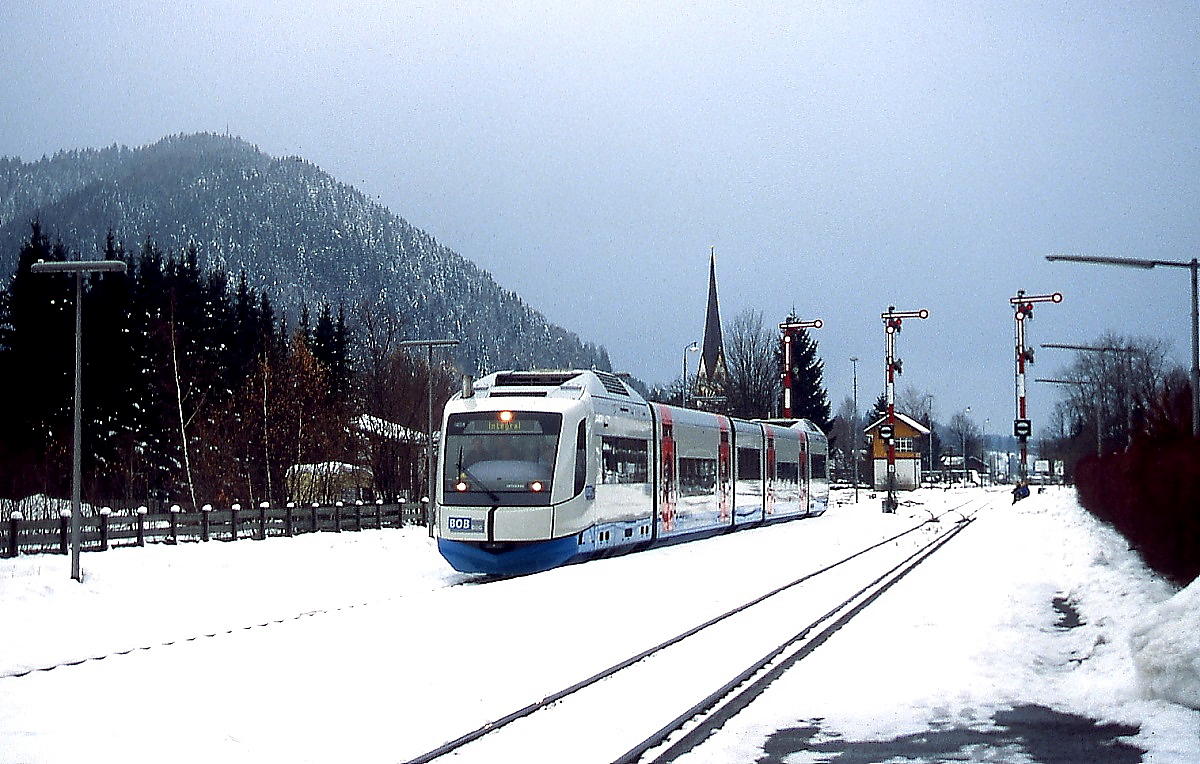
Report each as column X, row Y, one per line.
column 511, row 495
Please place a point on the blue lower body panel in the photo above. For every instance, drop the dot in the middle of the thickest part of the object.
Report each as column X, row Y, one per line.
column 509, row 559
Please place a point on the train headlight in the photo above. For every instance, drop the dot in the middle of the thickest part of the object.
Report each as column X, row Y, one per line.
column 537, row 486
column 506, row 416
column 461, row 486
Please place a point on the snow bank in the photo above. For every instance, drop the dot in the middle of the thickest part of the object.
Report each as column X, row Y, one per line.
column 1166, row 649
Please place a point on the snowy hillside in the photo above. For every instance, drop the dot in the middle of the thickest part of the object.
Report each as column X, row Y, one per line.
column 298, row 234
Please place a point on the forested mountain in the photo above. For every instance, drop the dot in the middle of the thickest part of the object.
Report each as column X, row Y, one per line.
column 298, row 234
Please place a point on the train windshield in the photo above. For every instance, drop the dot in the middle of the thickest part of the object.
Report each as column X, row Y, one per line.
column 500, row 457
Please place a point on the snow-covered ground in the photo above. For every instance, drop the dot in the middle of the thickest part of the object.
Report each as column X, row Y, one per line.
column 339, row 646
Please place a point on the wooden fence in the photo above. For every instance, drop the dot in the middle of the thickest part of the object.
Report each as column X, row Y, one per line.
column 138, row 526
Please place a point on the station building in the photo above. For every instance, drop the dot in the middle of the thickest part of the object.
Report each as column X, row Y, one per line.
column 908, row 452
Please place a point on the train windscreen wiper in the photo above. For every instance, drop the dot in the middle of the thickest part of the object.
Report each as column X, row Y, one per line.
column 474, row 480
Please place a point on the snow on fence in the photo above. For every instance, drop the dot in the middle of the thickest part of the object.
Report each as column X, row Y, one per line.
column 138, row 526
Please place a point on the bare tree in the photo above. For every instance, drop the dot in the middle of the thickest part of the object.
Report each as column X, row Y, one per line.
column 377, row 333
column 845, row 436
column 750, row 357
column 919, row 404
column 965, row 437
column 1115, row 387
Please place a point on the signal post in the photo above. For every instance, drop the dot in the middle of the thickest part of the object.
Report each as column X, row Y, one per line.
column 1022, row 426
column 790, row 328
column 892, row 321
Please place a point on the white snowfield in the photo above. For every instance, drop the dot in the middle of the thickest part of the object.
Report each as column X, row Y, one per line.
column 1166, row 648
column 356, row 646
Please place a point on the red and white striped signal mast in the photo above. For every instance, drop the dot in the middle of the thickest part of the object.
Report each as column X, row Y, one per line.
column 892, row 321
column 790, row 328
column 1022, row 426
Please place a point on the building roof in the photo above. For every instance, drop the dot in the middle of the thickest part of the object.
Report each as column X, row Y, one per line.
column 920, row 428
column 372, row 425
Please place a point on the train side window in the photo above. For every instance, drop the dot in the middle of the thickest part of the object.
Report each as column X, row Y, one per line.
column 625, row 460
column 749, row 466
column 788, row 472
column 819, row 466
column 581, row 458
column 697, row 477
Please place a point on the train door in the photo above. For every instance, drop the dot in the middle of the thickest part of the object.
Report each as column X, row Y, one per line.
column 770, row 477
column 803, row 474
column 668, row 483
column 624, row 485
column 748, row 484
column 818, row 457
column 785, row 451
column 724, row 471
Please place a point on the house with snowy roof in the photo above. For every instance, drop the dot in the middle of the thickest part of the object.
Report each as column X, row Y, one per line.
column 907, row 435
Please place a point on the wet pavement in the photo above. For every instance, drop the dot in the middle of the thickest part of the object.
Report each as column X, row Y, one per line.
column 1031, row 733
column 1028, row 733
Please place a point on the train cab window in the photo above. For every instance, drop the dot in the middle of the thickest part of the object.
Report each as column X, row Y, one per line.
column 625, row 460
column 500, row 457
column 581, row 458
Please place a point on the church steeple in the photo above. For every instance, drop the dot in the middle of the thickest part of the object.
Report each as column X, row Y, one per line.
column 712, row 374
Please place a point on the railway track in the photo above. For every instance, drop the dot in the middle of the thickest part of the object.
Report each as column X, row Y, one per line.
column 765, row 626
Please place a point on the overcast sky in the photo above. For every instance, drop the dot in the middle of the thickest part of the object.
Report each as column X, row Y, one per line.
column 840, row 157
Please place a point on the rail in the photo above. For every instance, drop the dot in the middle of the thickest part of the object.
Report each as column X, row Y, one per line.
column 688, row 720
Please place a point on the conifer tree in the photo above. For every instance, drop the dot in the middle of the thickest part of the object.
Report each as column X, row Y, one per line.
column 879, row 411
column 37, row 354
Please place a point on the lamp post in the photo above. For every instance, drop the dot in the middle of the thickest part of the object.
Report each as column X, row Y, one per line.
column 429, row 345
column 962, row 434
column 1194, row 266
column 855, row 435
column 78, row 268
column 983, row 454
column 692, row 348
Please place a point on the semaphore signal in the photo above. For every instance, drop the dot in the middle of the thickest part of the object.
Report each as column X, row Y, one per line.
column 790, row 328
column 893, row 320
column 1022, row 425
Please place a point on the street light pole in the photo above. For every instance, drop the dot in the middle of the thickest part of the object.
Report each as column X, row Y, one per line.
column 963, row 435
column 855, row 435
column 692, row 348
column 1194, row 266
column 431, row 467
column 78, row 268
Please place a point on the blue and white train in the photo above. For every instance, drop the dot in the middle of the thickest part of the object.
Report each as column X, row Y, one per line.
column 541, row 469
